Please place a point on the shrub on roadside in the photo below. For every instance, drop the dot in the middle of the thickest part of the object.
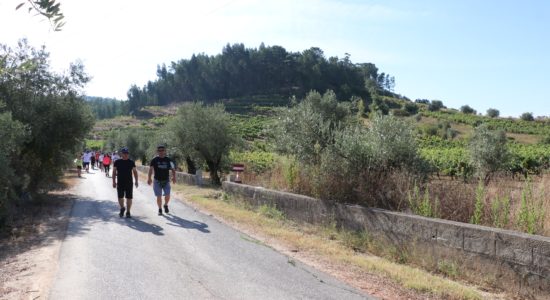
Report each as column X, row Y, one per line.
column 348, row 162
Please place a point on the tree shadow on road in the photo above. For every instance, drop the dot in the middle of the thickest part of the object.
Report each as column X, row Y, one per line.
column 180, row 222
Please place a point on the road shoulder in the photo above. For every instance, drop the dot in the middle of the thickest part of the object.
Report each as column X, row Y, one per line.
column 371, row 284
column 29, row 254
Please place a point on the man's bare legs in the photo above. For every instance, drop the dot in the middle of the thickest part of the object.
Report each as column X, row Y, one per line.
column 127, row 208
column 166, row 200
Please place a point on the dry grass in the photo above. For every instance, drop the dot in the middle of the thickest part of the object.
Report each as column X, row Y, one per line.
column 463, row 130
column 524, row 138
column 118, row 122
column 329, row 244
column 457, row 200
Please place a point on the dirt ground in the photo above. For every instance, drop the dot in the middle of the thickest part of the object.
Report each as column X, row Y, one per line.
column 29, row 251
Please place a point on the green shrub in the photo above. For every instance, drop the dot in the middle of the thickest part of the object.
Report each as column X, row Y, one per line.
column 290, row 172
column 400, row 113
column 436, row 105
column 271, row 212
column 449, row 268
column 410, row 108
column 466, row 109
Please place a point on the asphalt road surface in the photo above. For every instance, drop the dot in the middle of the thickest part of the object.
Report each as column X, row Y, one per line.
column 182, row 255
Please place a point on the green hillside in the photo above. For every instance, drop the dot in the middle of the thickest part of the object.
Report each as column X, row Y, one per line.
column 354, row 141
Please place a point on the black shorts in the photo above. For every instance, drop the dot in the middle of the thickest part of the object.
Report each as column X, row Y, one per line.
column 125, row 190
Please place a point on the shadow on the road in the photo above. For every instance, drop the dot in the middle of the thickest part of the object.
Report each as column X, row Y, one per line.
column 91, row 212
column 180, row 222
column 137, row 224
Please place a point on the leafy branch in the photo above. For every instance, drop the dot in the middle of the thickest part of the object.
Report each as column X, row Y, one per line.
column 47, row 8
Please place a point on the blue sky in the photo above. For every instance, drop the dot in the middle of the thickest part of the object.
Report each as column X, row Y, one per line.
column 487, row 54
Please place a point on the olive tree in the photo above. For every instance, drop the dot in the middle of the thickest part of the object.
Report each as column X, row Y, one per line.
column 12, row 135
column 493, row 113
column 488, row 151
column 51, row 108
column 204, row 133
column 137, row 140
column 527, row 116
column 341, row 158
column 307, row 128
column 43, row 121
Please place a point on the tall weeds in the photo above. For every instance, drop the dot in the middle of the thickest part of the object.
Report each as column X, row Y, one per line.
column 479, row 207
column 531, row 214
column 503, row 203
column 421, row 204
column 500, row 211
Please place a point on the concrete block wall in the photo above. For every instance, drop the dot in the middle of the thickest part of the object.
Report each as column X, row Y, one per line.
column 515, row 261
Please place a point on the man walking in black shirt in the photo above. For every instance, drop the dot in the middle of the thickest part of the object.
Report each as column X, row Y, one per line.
column 122, row 181
column 161, row 165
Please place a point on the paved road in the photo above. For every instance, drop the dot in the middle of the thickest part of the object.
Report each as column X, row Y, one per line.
column 183, row 255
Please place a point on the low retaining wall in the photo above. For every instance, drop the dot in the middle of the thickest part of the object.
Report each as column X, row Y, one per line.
column 181, row 177
column 514, row 261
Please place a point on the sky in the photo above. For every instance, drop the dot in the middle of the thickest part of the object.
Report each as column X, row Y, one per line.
column 485, row 54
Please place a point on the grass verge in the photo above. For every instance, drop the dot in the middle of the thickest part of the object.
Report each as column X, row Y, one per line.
column 327, row 243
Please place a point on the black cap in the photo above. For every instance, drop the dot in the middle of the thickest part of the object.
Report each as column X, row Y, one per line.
column 124, row 150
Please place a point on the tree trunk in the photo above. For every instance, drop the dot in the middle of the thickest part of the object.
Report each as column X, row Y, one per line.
column 191, row 168
column 214, row 173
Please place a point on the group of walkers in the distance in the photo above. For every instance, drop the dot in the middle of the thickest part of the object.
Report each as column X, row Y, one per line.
column 95, row 159
column 123, row 181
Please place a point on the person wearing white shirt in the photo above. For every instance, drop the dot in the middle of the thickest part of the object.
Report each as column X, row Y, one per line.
column 86, row 159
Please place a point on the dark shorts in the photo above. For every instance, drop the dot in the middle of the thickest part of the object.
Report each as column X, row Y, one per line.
column 85, row 164
column 125, row 190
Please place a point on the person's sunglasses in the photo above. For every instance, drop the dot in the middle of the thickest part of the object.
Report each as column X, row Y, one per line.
column 160, row 150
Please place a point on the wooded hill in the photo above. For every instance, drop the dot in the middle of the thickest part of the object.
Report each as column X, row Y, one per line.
column 267, row 70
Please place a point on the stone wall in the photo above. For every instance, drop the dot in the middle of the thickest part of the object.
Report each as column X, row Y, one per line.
column 181, row 177
column 514, row 261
